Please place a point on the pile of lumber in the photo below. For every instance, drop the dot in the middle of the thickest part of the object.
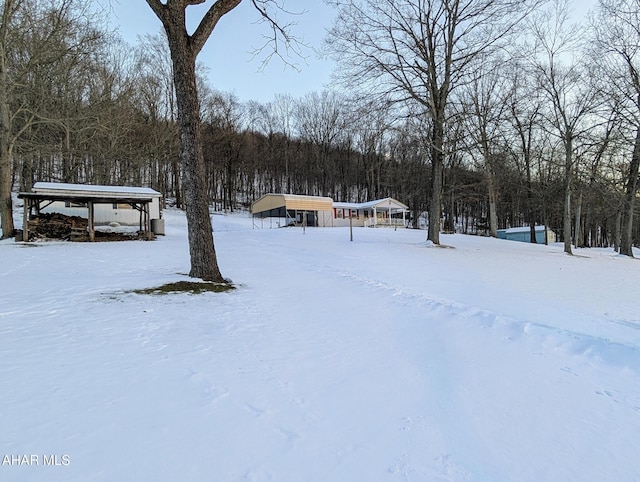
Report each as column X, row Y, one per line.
column 58, row 226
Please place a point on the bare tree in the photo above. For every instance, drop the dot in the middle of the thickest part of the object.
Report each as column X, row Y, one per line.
column 7, row 139
column 483, row 102
column 369, row 124
column 184, row 48
column 39, row 41
column 617, row 46
column 524, row 105
column 9, row 9
column 275, row 120
column 320, row 120
column 420, row 51
column 155, row 98
column 570, row 98
column 224, row 119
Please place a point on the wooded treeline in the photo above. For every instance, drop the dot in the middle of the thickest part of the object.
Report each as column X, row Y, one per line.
column 523, row 131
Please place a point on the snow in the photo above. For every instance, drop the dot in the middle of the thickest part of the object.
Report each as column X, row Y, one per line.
column 382, row 359
column 92, row 189
column 387, row 203
column 524, row 229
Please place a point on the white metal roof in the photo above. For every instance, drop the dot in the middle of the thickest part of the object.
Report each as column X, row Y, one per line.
column 93, row 190
column 524, row 229
column 291, row 201
column 386, row 203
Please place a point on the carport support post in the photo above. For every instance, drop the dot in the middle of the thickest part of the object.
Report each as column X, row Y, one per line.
column 350, row 227
column 92, row 232
column 147, row 222
column 25, row 219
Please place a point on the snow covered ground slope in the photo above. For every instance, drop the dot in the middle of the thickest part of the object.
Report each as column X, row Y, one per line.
column 381, row 359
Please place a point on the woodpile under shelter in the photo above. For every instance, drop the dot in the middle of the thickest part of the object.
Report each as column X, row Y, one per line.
column 102, row 205
column 293, row 210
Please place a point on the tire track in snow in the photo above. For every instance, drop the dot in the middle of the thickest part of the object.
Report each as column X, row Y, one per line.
column 614, row 353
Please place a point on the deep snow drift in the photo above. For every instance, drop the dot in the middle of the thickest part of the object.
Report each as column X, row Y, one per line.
column 380, row 359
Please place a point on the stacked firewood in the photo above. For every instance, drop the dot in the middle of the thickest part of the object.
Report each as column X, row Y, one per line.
column 56, row 226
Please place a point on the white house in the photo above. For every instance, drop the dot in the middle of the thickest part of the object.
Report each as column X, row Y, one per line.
column 378, row 213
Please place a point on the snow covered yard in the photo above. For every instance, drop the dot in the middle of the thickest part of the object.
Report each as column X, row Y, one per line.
column 378, row 359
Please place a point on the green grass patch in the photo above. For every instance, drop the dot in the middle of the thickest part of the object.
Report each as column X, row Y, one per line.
column 193, row 287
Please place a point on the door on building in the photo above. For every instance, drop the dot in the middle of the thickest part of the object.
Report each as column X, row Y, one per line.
column 311, row 218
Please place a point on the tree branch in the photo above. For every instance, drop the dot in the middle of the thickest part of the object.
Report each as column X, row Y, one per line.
column 209, row 21
column 280, row 33
column 158, row 8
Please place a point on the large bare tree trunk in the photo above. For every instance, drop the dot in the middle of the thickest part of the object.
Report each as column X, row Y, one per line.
column 204, row 263
column 437, row 173
column 626, row 238
column 184, row 50
column 6, row 205
column 493, row 204
column 566, row 225
column 578, row 224
column 568, row 172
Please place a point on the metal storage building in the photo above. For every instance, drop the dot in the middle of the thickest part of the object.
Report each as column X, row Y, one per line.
column 523, row 234
column 292, row 209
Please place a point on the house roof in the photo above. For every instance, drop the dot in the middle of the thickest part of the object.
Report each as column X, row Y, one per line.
column 524, row 229
column 386, row 203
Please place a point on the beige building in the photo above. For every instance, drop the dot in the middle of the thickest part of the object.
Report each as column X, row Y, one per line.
column 280, row 210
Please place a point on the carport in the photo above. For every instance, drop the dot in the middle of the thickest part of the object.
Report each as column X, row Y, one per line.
column 292, row 210
column 44, row 194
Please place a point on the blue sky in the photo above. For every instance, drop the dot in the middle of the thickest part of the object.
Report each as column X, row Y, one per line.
column 228, row 52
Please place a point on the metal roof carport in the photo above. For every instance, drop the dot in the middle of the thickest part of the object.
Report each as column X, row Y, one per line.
column 286, row 205
column 137, row 197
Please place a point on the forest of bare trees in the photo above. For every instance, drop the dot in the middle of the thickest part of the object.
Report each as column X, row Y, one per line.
column 538, row 124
